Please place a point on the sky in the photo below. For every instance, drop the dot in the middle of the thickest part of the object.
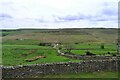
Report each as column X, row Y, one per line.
column 51, row 14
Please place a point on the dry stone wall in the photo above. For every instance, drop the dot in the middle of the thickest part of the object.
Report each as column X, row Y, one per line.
column 85, row 57
column 62, row 67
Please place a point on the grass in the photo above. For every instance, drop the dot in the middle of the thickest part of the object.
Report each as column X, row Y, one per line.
column 12, row 55
column 79, row 75
column 97, row 52
column 94, row 48
column 63, row 35
column 21, row 42
column 87, row 39
column 13, row 48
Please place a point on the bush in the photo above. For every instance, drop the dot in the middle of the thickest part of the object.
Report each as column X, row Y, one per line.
column 41, row 44
column 102, row 46
column 108, row 52
column 114, row 55
column 60, row 48
column 76, row 43
column 44, row 44
column 89, row 53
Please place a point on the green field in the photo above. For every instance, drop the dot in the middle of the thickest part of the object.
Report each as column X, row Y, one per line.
column 15, row 55
column 96, row 49
column 19, row 45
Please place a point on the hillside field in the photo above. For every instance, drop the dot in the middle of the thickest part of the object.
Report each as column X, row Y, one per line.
column 17, row 45
column 21, row 45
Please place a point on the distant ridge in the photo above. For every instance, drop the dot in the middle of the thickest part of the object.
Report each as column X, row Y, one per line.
column 55, row 29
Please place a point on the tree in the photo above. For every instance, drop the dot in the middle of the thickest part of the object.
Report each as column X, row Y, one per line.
column 102, row 46
column 89, row 53
column 68, row 47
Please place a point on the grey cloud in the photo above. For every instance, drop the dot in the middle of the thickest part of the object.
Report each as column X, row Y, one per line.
column 110, row 12
column 102, row 19
column 90, row 18
column 41, row 20
column 72, row 17
column 5, row 16
column 69, row 18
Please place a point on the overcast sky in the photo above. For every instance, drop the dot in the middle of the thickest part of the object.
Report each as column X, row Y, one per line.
column 58, row 13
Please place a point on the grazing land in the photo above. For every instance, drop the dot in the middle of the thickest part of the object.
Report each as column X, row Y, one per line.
column 19, row 44
column 22, row 47
column 17, row 54
column 34, row 36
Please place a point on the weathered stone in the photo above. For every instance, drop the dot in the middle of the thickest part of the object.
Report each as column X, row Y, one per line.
column 62, row 67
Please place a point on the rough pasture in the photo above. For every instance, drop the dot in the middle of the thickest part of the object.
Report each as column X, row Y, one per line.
column 21, row 45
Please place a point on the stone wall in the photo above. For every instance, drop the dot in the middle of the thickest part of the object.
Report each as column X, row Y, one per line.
column 85, row 57
column 62, row 67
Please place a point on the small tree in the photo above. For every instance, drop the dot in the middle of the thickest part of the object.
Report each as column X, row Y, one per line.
column 60, row 48
column 102, row 46
column 89, row 53
column 69, row 47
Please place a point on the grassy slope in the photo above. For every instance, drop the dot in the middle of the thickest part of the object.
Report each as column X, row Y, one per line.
column 34, row 37
column 75, row 35
column 31, row 38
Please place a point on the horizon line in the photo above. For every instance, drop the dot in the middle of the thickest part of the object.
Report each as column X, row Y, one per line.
column 62, row 28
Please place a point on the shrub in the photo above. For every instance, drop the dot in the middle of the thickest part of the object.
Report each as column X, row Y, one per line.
column 114, row 55
column 89, row 53
column 102, row 46
column 76, row 43
column 68, row 47
column 108, row 52
column 60, row 48
column 44, row 44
